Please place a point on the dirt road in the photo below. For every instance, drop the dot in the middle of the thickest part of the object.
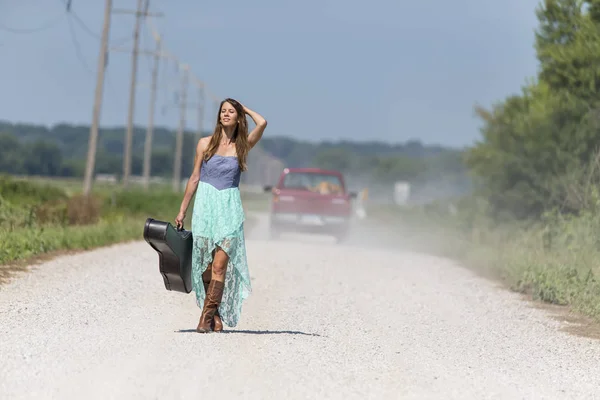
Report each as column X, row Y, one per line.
column 324, row 322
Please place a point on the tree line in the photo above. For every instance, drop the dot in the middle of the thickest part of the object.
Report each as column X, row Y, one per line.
column 62, row 150
column 539, row 148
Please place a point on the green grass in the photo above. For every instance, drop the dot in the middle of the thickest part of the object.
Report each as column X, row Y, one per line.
column 554, row 260
column 40, row 218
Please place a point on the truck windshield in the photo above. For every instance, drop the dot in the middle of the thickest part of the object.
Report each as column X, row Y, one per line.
column 314, row 182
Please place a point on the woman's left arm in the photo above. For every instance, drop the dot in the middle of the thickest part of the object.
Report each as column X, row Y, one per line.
column 257, row 132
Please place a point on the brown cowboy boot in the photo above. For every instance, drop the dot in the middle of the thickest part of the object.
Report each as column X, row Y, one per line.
column 214, row 294
column 217, row 324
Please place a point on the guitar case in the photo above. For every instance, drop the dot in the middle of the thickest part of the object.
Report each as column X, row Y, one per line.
column 174, row 248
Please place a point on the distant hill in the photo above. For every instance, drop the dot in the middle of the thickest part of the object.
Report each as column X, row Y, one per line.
column 298, row 153
column 62, row 150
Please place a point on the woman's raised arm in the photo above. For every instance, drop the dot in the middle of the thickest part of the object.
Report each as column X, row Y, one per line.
column 261, row 124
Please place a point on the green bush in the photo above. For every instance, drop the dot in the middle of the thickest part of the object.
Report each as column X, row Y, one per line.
column 158, row 203
column 23, row 192
column 38, row 220
column 28, row 242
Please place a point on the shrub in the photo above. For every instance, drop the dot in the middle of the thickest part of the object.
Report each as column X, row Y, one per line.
column 83, row 210
column 24, row 192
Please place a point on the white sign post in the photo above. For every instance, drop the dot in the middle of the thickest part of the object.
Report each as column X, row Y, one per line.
column 401, row 192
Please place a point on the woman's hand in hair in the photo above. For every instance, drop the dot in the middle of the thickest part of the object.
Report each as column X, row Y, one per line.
column 261, row 124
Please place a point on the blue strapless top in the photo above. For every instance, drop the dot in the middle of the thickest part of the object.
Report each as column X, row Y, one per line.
column 222, row 172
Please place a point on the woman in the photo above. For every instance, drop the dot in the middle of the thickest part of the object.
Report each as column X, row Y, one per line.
column 220, row 276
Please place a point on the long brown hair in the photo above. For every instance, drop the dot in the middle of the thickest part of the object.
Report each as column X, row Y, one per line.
column 240, row 135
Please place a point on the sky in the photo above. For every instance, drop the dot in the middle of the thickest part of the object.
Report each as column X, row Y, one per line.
column 385, row 70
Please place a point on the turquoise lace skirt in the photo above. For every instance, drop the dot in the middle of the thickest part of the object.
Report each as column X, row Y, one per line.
column 218, row 220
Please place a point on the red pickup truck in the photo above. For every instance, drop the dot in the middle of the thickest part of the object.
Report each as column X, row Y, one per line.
column 310, row 200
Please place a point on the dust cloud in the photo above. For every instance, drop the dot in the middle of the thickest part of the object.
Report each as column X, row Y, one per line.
column 378, row 222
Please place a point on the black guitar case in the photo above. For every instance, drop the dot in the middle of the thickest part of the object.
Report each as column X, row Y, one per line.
column 174, row 248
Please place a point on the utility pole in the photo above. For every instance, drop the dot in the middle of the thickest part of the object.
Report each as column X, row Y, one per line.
column 149, row 131
column 181, row 130
column 134, row 58
column 135, row 53
column 93, row 139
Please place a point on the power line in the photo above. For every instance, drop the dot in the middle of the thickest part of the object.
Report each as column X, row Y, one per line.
column 78, row 51
column 141, row 19
column 73, row 14
column 140, row 12
column 49, row 24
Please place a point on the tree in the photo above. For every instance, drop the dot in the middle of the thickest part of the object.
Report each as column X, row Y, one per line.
column 43, row 158
column 337, row 159
column 11, row 157
column 568, row 47
column 534, row 141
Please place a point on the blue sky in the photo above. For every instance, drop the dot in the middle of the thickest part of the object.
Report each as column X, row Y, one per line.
column 390, row 70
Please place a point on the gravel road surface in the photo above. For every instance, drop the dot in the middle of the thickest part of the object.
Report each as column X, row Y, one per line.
column 324, row 321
